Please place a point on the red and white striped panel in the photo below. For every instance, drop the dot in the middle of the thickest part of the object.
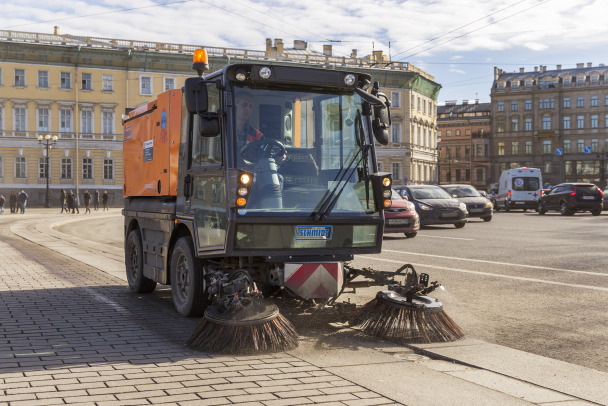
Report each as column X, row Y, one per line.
column 315, row 280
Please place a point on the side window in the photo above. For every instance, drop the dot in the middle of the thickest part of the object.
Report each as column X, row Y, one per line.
column 207, row 150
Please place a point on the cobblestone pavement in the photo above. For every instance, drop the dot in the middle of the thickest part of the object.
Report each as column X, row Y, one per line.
column 72, row 334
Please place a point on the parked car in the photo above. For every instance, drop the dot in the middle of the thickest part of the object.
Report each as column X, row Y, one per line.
column 477, row 205
column 606, row 198
column 401, row 217
column 569, row 198
column 434, row 205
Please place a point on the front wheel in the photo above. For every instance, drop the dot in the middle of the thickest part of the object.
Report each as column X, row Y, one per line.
column 411, row 235
column 486, row 219
column 459, row 225
column 134, row 261
column 541, row 208
column 187, row 280
column 507, row 206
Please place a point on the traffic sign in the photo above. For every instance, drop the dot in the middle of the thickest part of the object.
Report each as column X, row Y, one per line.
column 559, row 151
column 587, row 150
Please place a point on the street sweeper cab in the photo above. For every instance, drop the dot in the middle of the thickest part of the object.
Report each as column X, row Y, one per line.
column 251, row 179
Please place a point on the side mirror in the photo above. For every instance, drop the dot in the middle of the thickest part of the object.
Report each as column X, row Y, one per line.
column 382, row 116
column 209, row 125
column 195, row 93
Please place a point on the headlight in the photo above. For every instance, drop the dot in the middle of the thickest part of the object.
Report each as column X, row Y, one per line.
column 349, row 79
column 411, row 206
column 424, row 207
column 463, row 206
column 489, row 204
column 265, row 72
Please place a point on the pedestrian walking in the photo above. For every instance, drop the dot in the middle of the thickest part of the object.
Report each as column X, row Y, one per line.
column 87, row 201
column 104, row 200
column 63, row 201
column 2, row 201
column 12, row 201
column 76, row 204
column 70, row 201
column 22, row 200
column 96, row 200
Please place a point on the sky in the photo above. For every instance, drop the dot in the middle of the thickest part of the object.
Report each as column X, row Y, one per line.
column 458, row 42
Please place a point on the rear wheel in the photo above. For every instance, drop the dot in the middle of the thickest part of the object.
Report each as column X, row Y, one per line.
column 411, row 234
column 459, row 225
column 187, row 280
column 563, row 209
column 486, row 219
column 134, row 261
column 596, row 212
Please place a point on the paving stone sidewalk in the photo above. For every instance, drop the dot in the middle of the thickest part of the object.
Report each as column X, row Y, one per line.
column 71, row 334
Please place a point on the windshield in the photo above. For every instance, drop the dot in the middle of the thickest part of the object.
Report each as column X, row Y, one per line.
column 526, row 183
column 304, row 149
column 463, row 191
column 429, row 193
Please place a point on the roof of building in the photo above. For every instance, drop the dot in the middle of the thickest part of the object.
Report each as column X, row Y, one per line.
column 558, row 72
column 463, row 108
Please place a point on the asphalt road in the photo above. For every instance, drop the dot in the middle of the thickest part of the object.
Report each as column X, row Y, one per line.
column 530, row 282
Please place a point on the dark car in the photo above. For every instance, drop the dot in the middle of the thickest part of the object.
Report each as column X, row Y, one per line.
column 606, row 198
column 568, row 198
column 477, row 205
column 401, row 217
column 434, row 205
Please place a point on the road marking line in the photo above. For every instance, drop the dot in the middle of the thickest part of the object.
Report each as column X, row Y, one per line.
column 449, row 238
column 519, row 278
column 501, row 263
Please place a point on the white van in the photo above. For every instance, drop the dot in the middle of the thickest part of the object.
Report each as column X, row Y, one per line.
column 519, row 188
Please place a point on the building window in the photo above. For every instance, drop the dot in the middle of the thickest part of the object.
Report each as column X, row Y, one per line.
column 20, row 119
column 580, row 79
column 580, row 146
column 515, row 83
column 606, row 100
column 42, row 167
column 467, row 132
column 514, row 106
column 418, row 103
column 86, row 125
column 568, row 167
column 514, row 148
column 66, row 80
column 87, row 81
column 528, row 124
column 479, row 150
column 593, row 101
column 500, row 125
column 528, row 83
column 19, row 78
column 65, row 121
column 20, row 167
column 566, row 102
column 501, row 85
column 546, row 123
column 547, row 147
column 395, row 100
column 479, row 175
column 514, row 124
column 66, row 168
column 546, row 103
column 605, row 125
column 396, row 132
column 107, row 83
column 501, row 106
column 1, row 166
column 396, row 170
column 448, row 133
column 580, row 102
column 424, row 107
column 107, row 118
column 566, row 122
column 566, row 146
column 595, row 145
column 547, row 167
column 87, row 168
column 501, row 148
column 580, row 121
column 528, row 105
column 108, row 169
column 169, row 83
column 43, row 119
column 595, row 120
column 566, row 80
column 528, row 147
column 43, row 79
column 145, row 85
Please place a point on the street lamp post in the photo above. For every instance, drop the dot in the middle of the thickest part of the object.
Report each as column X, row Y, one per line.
column 47, row 141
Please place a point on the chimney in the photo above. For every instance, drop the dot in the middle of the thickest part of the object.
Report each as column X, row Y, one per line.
column 278, row 44
column 589, row 64
column 580, row 65
column 56, row 30
column 378, row 56
column 327, row 50
column 476, row 101
column 522, row 70
column 299, row 44
column 269, row 45
column 536, row 69
column 465, row 102
column 353, row 54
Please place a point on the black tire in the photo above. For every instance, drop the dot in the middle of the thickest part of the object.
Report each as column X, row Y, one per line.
column 507, row 206
column 563, row 209
column 459, row 225
column 596, row 212
column 187, row 280
column 411, row 234
column 134, row 261
column 541, row 208
column 486, row 219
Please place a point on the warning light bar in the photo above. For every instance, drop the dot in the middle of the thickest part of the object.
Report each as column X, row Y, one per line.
column 200, row 61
